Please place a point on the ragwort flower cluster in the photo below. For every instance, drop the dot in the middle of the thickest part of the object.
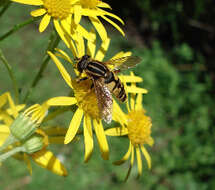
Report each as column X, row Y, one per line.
column 25, row 134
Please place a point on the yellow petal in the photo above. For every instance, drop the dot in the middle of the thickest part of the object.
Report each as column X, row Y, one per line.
column 131, row 163
column 125, row 157
column 63, row 55
column 114, row 24
column 38, row 12
column 132, row 89
column 4, row 133
column 132, row 101
column 139, row 160
column 100, row 134
column 129, row 78
column 103, row 5
column 138, row 105
column 116, row 131
column 3, row 99
column 29, row 2
column 88, row 138
column 60, row 31
column 102, row 12
column 77, row 14
column 6, row 118
column 61, row 101
column 83, row 32
column 91, row 44
column 91, row 12
column 99, row 28
column 74, row 125
column 80, row 45
column 62, row 70
column 69, row 30
column 47, row 160
column 44, row 22
column 132, row 154
column 4, row 129
column 12, row 105
column 118, row 114
column 150, row 141
column 18, row 108
column 102, row 50
column 147, row 156
column 128, row 101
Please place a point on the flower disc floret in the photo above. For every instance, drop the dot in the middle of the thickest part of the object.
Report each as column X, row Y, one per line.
column 139, row 127
column 58, row 8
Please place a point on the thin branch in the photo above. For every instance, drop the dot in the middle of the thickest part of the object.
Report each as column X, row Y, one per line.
column 11, row 74
column 17, row 27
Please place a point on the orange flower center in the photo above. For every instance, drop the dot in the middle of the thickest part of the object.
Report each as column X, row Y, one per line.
column 58, row 8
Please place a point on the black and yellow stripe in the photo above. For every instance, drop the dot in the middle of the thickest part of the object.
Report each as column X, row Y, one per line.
column 96, row 69
column 115, row 86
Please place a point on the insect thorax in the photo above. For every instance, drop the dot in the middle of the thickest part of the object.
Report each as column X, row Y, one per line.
column 96, row 69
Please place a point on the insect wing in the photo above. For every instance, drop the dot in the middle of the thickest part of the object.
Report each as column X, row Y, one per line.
column 104, row 99
column 123, row 63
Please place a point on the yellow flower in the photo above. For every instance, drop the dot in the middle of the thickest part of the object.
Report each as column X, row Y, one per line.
column 31, row 142
column 44, row 158
column 138, row 129
column 85, row 97
column 93, row 9
column 60, row 11
column 8, row 109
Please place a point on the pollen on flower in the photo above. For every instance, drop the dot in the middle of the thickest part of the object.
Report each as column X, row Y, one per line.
column 91, row 4
column 139, row 128
column 86, row 98
column 58, row 8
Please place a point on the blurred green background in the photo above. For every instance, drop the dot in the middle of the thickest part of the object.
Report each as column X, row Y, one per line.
column 176, row 42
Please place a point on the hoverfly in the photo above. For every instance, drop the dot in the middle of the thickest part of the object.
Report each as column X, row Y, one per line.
column 105, row 80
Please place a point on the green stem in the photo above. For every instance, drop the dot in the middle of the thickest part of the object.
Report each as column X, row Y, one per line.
column 10, row 153
column 6, row 6
column 9, row 141
column 17, row 27
column 12, row 76
column 53, row 43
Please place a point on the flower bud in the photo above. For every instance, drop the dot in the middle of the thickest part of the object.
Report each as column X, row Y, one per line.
column 33, row 144
column 23, row 127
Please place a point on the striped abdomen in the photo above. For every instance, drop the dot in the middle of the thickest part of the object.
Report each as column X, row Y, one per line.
column 115, row 86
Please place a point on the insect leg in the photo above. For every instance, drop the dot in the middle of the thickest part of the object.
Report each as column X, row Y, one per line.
column 81, row 79
column 92, row 85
